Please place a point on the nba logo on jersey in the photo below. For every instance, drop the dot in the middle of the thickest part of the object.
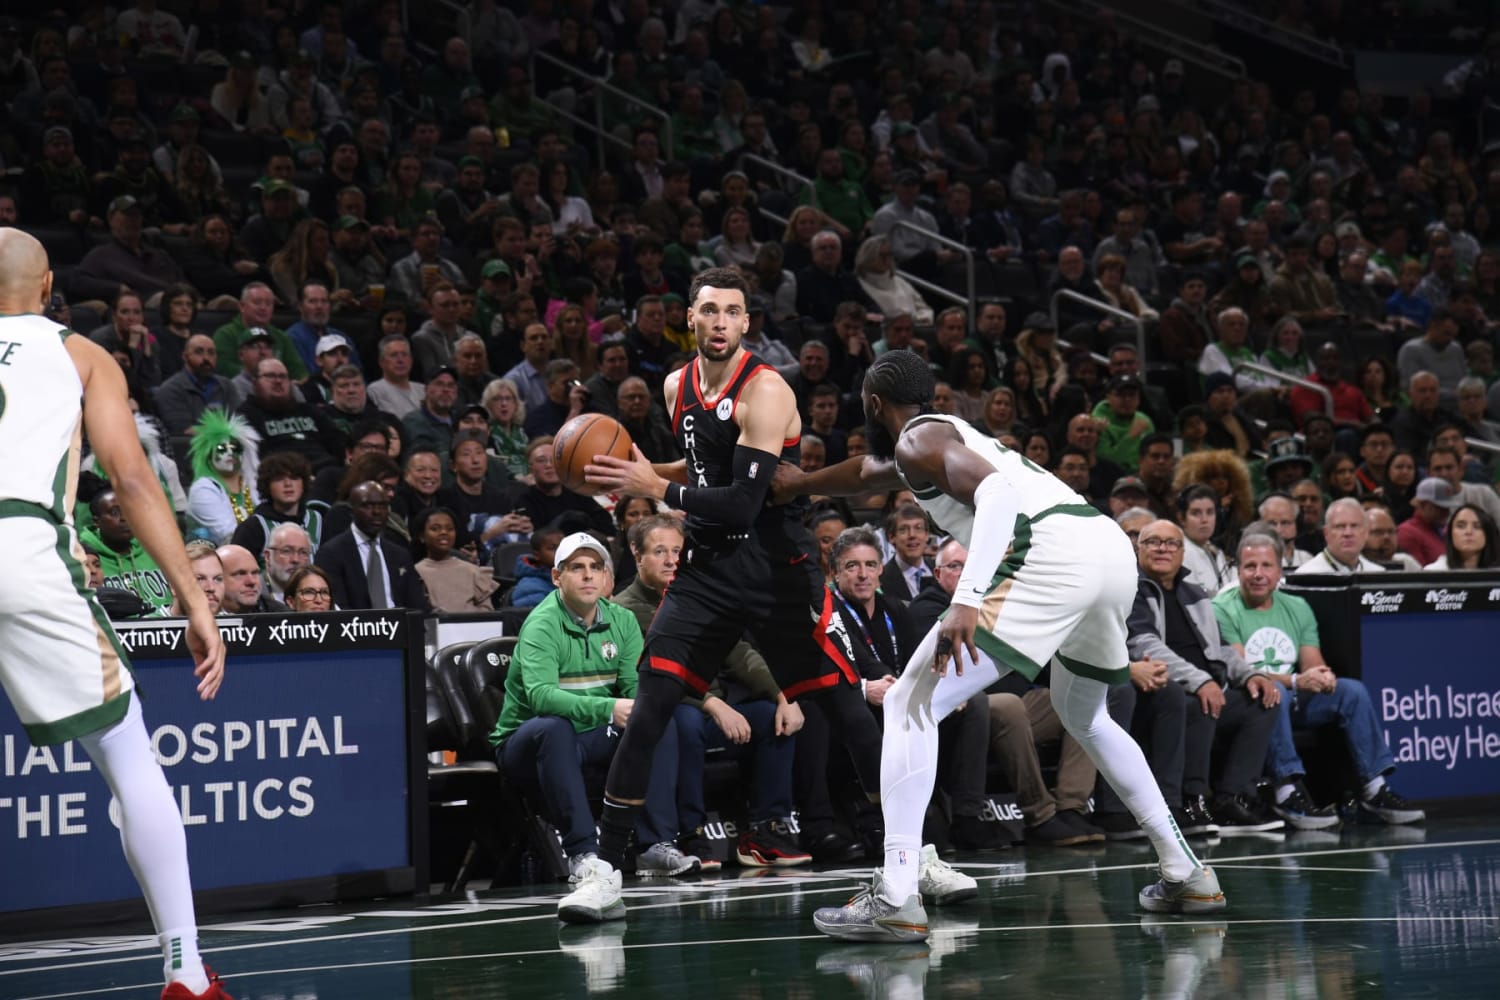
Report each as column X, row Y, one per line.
column 724, row 409
column 754, row 468
column 901, row 858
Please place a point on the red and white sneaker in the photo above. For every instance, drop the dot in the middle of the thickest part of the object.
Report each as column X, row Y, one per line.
column 215, row 991
column 769, row 845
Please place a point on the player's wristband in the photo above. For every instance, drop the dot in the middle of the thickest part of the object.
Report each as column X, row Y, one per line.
column 674, row 495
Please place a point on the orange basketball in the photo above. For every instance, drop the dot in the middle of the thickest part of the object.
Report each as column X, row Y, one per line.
column 579, row 440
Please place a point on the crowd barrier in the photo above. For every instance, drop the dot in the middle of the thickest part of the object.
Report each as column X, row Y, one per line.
column 303, row 781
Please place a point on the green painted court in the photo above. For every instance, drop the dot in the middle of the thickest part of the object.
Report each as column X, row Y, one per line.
column 1373, row 912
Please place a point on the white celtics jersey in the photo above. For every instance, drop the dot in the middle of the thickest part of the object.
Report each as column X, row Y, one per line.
column 41, row 415
column 1039, row 490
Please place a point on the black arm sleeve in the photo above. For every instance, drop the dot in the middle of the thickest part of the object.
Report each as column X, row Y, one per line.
column 735, row 505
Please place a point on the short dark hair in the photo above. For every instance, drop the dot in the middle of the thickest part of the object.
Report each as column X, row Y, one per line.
column 1157, row 437
column 464, row 437
column 728, row 278
column 364, row 428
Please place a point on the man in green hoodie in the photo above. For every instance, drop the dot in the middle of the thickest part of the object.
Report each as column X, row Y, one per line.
column 1124, row 424
column 122, row 558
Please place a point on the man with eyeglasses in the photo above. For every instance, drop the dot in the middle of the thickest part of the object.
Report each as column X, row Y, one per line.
column 283, row 423
column 1380, row 542
column 1174, row 642
column 287, row 550
column 366, row 566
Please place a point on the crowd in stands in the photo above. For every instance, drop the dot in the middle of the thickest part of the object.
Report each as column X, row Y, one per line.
column 358, row 270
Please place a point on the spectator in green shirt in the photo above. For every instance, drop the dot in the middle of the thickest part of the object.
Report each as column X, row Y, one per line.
column 1124, row 424
column 257, row 303
column 841, row 199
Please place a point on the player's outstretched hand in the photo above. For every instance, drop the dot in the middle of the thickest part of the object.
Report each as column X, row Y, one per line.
column 954, row 637
column 207, row 647
column 633, row 477
column 786, row 484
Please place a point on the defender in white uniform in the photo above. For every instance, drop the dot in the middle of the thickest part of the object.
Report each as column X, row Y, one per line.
column 1048, row 580
column 60, row 662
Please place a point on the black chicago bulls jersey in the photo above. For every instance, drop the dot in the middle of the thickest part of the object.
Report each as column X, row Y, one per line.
column 707, row 434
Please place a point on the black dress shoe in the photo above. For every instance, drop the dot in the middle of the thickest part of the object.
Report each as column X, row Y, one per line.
column 829, row 846
column 970, row 833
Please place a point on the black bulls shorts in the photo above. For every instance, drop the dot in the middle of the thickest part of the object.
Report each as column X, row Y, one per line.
column 716, row 598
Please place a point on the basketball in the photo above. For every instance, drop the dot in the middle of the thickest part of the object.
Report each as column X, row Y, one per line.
column 579, row 440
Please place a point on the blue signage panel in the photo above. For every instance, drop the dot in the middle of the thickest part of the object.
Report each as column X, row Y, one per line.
column 298, row 769
column 1433, row 682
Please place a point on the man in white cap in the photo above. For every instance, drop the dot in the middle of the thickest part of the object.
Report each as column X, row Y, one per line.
column 568, row 696
column 331, row 354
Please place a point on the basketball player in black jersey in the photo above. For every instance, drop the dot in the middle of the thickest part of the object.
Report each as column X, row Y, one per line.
column 746, row 566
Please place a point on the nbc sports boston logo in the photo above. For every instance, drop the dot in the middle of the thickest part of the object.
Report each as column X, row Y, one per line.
column 1444, row 599
column 1382, row 602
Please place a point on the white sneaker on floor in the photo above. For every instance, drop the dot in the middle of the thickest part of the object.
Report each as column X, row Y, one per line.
column 940, row 883
column 597, row 897
column 665, row 859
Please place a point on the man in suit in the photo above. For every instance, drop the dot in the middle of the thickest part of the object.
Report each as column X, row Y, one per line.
column 905, row 572
column 365, row 569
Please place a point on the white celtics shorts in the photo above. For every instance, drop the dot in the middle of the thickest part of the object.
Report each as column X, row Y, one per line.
column 60, row 661
column 1064, row 590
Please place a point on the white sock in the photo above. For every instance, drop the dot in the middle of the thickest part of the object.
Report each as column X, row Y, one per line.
column 1373, row 787
column 1080, row 704
column 1284, row 792
column 180, row 957
column 153, row 838
column 914, row 706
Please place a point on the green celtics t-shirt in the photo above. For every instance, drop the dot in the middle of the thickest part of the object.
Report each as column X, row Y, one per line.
column 1271, row 638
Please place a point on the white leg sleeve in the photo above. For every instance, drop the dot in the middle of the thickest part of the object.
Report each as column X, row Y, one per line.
column 1080, row 704
column 914, row 706
column 152, row 834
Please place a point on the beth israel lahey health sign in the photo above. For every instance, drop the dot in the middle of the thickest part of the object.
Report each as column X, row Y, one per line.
column 1431, row 662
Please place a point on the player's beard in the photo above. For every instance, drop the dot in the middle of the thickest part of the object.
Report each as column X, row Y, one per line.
column 877, row 438
column 709, row 353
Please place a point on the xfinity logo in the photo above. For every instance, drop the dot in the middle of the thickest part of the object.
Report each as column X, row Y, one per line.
column 1447, row 600
column 1379, row 602
column 285, row 631
column 359, row 628
column 167, row 637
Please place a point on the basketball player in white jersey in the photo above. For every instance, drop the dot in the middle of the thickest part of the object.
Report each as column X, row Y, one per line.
column 60, row 662
column 1047, row 581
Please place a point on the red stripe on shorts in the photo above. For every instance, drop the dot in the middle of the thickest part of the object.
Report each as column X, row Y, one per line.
column 695, row 683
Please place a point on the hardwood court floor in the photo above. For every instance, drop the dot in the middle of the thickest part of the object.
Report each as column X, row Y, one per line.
column 1374, row 912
